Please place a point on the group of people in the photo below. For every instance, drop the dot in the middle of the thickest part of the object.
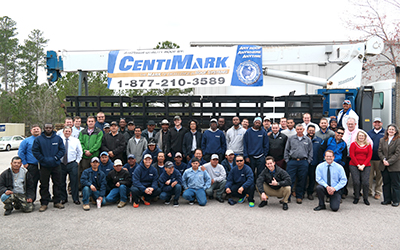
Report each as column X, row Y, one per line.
column 113, row 162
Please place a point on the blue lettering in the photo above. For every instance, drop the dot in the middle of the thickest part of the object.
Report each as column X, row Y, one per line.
column 122, row 64
column 221, row 62
column 177, row 60
column 209, row 63
column 137, row 65
column 149, row 64
column 199, row 64
column 159, row 64
column 168, row 64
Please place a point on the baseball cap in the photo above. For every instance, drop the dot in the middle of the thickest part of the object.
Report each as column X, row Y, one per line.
column 147, row 156
column 95, row 159
column 103, row 153
column 229, row 152
column 131, row 156
column 214, row 156
column 377, row 119
column 257, row 119
column 168, row 164
column 178, row 155
column 106, row 125
column 118, row 162
column 151, row 122
column 177, row 117
column 266, row 118
column 165, row 121
column 131, row 123
column 152, row 141
column 213, row 120
column 114, row 123
column 346, row 102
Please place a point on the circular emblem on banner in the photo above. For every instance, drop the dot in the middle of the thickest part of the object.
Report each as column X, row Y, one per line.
column 248, row 72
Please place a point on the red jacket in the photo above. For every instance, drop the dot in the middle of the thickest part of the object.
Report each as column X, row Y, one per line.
column 360, row 155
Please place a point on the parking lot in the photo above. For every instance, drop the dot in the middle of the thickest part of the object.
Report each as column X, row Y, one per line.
column 215, row 226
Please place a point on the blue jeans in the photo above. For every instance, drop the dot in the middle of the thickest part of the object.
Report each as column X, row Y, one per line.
column 200, row 194
column 250, row 191
column 118, row 193
column 257, row 164
column 176, row 191
column 71, row 169
column 299, row 170
column 87, row 192
column 136, row 194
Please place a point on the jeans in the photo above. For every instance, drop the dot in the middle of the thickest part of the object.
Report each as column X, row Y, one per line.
column 176, row 191
column 118, row 193
column 190, row 194
column 136, row 194
column 45, row 174
column 87, row 192
column 299, row 170
column 71, row 169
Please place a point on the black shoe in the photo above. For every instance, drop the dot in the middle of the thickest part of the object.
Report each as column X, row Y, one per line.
column 211, row 197
column 395, row 204
column 366, row 202
column 77, row 202
column 344, row 196
column 176, row 203
column 385, row 202
column 310, row 197
column 319, row 208
column 63, row 201
column 263, row 203
column 355, row 201
column 7, row 212
column 285, row 206
column 220, row 199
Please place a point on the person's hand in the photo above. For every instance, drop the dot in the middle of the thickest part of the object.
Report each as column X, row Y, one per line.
column 93, row 188
column 264, row 197
column 240, row 190
column 169, row 155
column 167, row 182
column 385, row 162
column 330, row 190
column 8, row 192
column 174, row 183
column 29, row 200
column 26, row 165
column 228, row 191
column 212, row 181
column 188, row 158
column 117, row 184
column 149, row 190
column 203, row 168
column 87, row 153
column 274, row 182
column 101, row 199
column 247, row 159
column 111, row 154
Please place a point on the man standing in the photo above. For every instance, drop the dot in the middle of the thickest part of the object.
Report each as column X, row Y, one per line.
column 245, row 123
column 273, row 181
column 337, row 145
column 94, row 184
column 137, row 145
column 290, row 130
column 175, row 138
column 119, row 182
column 277, row 143
column 283, row 123
column 162, row 136
column 256, row 147
column 114, row 143
column 298, row 155
column 101, row 117
column 316, row 144
column 67, row 123
column 324, row 132
column 345, row 114
column 90, row 138
column 331, row 178
column 48, row 148
column 307, row 122
column 69, row 165
column 221, row 124
column 218, row 178
column 191, row 140
column 76, row 129
column 213, row 142
column 122, row 126
column 149, row 132
column 267, row 124
column 376, row 134
column 170, row 182
column 195, row 182
column 240, row 182
column 234, row 137
column 16, row 188
column 28, row 160
column 130, row 132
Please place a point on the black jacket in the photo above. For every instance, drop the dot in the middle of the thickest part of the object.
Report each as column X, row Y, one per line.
column 116, row 144
column 281, row 176
column 7, row 183
column 175, row 139
column 188, row 140
column 123, row 177
column 277, row 146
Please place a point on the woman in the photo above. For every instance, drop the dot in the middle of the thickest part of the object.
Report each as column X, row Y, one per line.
column 389, row 153
column 360, row 166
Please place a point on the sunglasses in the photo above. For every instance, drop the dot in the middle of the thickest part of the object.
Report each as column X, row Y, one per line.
column 340, row 133
column 239, row 160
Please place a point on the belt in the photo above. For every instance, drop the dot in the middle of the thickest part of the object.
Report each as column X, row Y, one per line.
column 68, row 163
column 298, row 159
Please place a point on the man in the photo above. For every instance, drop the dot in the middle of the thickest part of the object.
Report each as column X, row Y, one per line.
column 158, row 164
column 221, row 124
column 256, row 147
column 101, row 117
column 131, row 164
column 344, row 115
column 90, row 138
column 191, row 140
column 267, row 124
column 28, row 160
column 298, row 155
column 67, row 123
column 324, row 132
column 114, row 143
column 316, row 144
column 229, row 162
column 195, row 182
column 48, row 148
column 122, row 126
column 337, row 145
column 130, row 132
column 277, row 143
column 76, row 129
column 273, row 181
column 16, row 188
column 333, row 124
column 162, row 136
column 213, row 142
column 106, row 128
column 245, row 123
column 218, row 178
column 234, row 137
column 119, row 182
column 240, row 182
column 283, row 123
column 150, row 132
column 152, row 149
column 144, row 182
column 170, row 183
column 94, row 183
column 137, row 145
column 106, row 165
column 178, row 164
column 69, row 166
column 175, row 138
column 376, row 134
column 307, row 122
column 290, row 130
column 331, row 178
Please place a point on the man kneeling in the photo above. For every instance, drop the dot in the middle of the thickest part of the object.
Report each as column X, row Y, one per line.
column 119, row 182
column 195, row 183
column 94, row 183
column 170, row 182
column 273, row 181
column 16, row 187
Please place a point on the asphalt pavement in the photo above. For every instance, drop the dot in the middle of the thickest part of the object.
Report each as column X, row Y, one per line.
column 215, row 226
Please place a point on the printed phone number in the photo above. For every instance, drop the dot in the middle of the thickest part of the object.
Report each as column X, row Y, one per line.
column 172, row 82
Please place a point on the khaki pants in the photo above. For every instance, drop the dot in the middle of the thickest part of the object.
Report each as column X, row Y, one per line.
column 282, row 192
column 378, row 178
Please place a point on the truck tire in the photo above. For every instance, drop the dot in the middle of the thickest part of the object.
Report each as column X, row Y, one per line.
column 8, row 148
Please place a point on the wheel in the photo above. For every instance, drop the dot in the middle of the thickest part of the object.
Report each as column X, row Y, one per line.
column 8, row 148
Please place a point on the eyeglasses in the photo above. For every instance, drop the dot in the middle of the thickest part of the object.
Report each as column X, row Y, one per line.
column 340, row 133
column 239, row 160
